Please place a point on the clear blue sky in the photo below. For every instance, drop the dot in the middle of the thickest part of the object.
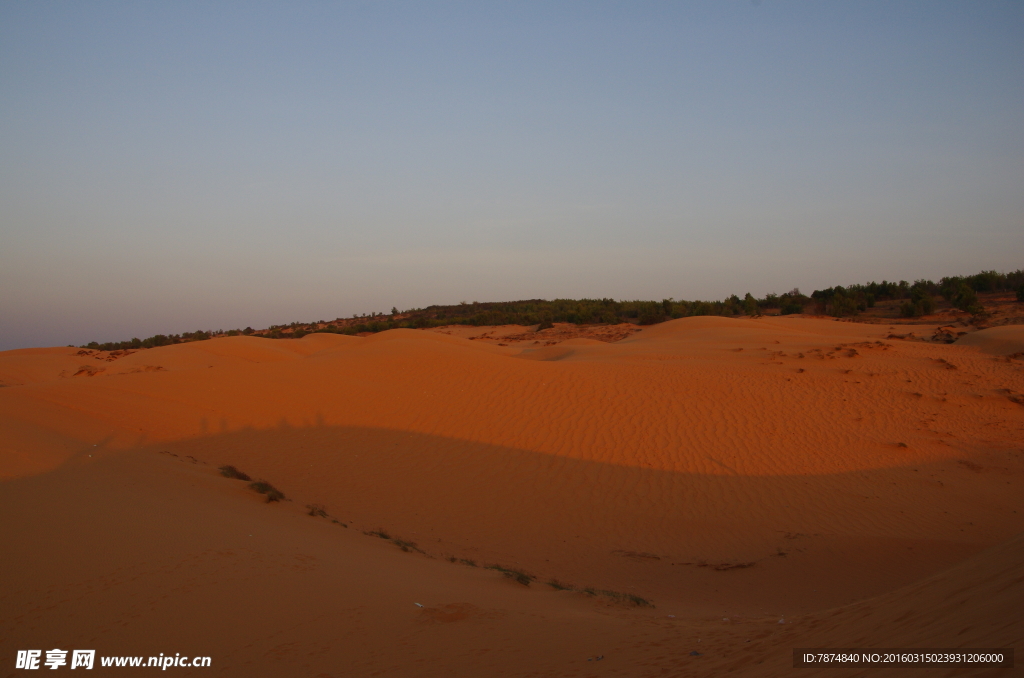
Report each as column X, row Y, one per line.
column 171, row 166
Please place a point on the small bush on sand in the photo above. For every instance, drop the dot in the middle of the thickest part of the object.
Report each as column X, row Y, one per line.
column 613, row 595
column 403, row 544
column 627, row 598
column 265, row 488
column 407, row 546
column 232, row 472
column 518, row 575
column 317, row 510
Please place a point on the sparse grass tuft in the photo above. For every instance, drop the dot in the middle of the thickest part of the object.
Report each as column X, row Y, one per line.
column 271, row 492
column 525, row 579
column 407, row 546
column 403, row 544
column 232, row 472
column 613, row 595
column 518, row 575
column 627, row 597
column 317, row 510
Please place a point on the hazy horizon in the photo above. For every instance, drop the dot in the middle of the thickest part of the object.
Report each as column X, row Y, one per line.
column 173, row 167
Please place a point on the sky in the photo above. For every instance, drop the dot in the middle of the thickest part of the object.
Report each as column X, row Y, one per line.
column 168, row 167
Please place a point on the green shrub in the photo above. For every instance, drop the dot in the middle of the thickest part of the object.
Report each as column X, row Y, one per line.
column 909, row 309
column 967, row 300
column 750, row 306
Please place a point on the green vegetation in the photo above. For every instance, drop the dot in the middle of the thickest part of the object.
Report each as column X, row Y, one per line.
column 960, row 291
column 921, row 301
column 154, row 341
column 965, row 299
column 918, row 299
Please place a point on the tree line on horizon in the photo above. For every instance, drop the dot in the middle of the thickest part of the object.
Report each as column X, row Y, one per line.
column 918, row 299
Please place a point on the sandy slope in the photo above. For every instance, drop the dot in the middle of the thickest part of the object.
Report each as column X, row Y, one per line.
column 740, row 469
column 1006, row 340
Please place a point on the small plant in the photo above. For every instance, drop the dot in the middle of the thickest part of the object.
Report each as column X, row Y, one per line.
column 338, row 522
column 232, row 472
column 518, row 575
column 559, row 586
column 471, row 563
column 407, row 546
column 616, row 596
column 317, row 510
column 265, row 488
column 403, row 544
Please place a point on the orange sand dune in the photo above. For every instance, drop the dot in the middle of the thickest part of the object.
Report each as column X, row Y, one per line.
column 745, row 469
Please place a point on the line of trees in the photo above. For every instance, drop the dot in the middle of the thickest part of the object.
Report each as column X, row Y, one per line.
column 164, row 339
column 918, row 299
column 960, row 291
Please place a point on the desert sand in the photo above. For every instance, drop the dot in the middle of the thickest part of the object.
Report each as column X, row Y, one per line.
column 764, row 483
